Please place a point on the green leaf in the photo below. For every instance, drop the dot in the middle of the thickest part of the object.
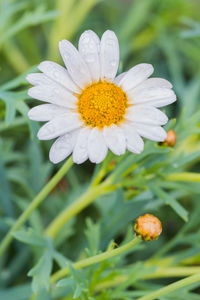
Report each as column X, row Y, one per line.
column 41, row 273
column 28, row 19
column 66, row 282
column 5, row 188
column 30, row 237
column 116, row 213
column 93, row 236
column 44, row 295
column 61, row 260
column 18, row 81
column 169, row 200
column 21, row 292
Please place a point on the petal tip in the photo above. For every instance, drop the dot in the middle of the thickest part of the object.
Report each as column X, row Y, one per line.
column 28, row 78
column 164, row 136
column 29, row 92
column 52, row 158
column 29, row 114
column 41, row 135
column 109, row 32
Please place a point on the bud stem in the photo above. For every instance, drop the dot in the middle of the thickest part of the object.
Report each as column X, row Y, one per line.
column 95, row 259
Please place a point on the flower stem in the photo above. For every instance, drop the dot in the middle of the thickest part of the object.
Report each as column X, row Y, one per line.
column 95, row 259
column 160, row 273
column 77, row 206
column 184, row 176
column 103, row 170
column 34, row 204
column 172, row 287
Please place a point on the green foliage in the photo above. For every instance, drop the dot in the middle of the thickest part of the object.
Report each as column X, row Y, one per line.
column 162, row 180
column 41, row 272
column 30, row 237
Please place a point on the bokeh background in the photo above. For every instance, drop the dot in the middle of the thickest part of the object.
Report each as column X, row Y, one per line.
column 165, row 33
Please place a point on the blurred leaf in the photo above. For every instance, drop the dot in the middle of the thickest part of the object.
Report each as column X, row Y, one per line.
column 5, row 188
column 21, row 292
column 28, row 19
column 41, row 272
column 194, row 30
column 18, row 81
column 30, row 237
column 93, row 236
column 169, row 200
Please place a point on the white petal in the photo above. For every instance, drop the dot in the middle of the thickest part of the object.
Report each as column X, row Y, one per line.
column 45, row 112
column 109, row 56
column 135, row 76
column 80, row 153
column 119, row 78
column 153, row 96
column 54, row 94
column 146, row 114
column 58, row 74
column 38, row 79
column 75, row 64
column 115, row 139
column 62, row 147
column 97, row 148
column 134, row 142
column 154, row 83
column 154, row 133
column 89, row 44
column 59, row 126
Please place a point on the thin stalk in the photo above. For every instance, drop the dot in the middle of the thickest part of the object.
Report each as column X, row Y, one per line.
column 103, row 170
column 15, row 57
column 95, row 259
column 60, row 28
column 83, row 201
column 184, row 176
column 34, row 204
column 160, row 273
column 172, row 287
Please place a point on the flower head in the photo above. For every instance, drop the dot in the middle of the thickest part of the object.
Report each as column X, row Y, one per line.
column 89, row 110
column 170, row 138
column 148, row 227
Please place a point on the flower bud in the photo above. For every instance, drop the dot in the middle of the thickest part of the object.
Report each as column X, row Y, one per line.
column 112, row 164
column 171, row 138
column 148, row 227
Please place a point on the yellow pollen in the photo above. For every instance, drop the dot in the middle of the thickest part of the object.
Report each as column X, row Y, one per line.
column 102, row 104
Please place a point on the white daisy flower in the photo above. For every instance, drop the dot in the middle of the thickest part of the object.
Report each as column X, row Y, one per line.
column 89, row 109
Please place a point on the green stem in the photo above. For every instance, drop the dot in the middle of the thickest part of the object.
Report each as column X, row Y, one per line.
column 83, row 201
column 34, row 204
column 171, row 287
column 160, row 273
column 94, row 259
column 103, row 170
column 184, row 176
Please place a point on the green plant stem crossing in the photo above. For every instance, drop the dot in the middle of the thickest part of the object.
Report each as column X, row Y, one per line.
column 77, row 206
column 34, row 204
column 95, row 259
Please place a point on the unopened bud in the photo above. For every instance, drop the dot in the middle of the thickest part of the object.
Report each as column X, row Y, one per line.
column 171, row 138
column 148, row 227
column 112, row 164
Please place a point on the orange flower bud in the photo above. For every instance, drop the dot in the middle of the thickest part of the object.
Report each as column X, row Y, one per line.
column 112, row 164
column 171, row 138
column 148, row 227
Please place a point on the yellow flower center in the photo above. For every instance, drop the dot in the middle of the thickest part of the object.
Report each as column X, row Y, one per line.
column 102, row 104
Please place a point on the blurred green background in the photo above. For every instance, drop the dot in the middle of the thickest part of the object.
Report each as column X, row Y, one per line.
column 165, row 33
